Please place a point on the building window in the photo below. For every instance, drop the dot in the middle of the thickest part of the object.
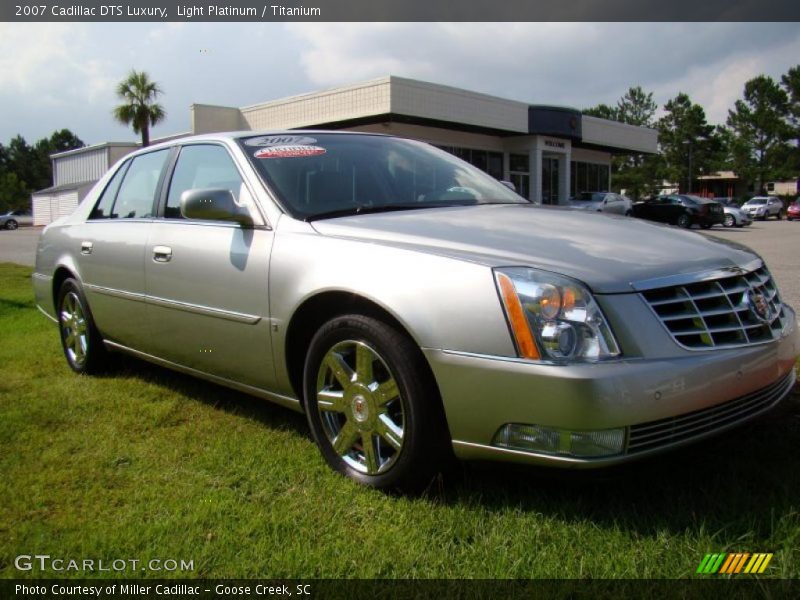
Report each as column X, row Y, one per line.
column 487, row 161
column 588, row 177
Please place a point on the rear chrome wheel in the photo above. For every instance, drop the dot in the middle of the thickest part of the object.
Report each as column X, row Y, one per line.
column 11, row 224
column 80, row 340
column 729, row 221
column 373, row 406
column 74, row 330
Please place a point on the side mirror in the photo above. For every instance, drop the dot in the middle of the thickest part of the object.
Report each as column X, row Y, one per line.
column 509, row 185
column 213, row 205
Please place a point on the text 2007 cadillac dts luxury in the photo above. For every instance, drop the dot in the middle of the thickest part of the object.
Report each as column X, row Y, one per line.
column 412, row 306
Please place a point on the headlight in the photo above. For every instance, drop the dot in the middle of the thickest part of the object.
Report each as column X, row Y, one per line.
column 553, row 317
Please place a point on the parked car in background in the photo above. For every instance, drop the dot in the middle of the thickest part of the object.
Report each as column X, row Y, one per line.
column 734, row 215
column 412, row 306
column 15, row 219
column 607, row 202
column 793, row 212
column 683, row 210
column 763, row 207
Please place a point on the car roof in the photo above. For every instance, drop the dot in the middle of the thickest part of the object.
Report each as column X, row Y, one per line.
column 224, row 136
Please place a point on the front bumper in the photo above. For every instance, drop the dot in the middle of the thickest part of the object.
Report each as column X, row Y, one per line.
column 710, row 390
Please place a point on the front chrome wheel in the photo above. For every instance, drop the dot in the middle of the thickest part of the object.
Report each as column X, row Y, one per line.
column 360, row 407
column 373, row 406
column 74, row 329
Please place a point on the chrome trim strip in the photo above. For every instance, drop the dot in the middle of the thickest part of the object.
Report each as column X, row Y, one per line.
column 687, row 278
column 45, row 313
column 228, row 315
column 115, row 292
column 174, row 304
column 286, row 401
column 529, row 361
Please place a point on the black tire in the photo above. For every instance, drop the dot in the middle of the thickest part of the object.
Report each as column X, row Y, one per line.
column 779, row 216
column 684, row 221
column 92, row 356
column 11, row 224
column 628, row 213
column 424, row 442
column 729, row 221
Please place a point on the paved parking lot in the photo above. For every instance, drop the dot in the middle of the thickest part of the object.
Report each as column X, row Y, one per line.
column 19, row 246
column 777, row 241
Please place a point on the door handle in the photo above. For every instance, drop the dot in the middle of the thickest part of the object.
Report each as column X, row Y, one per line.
column 86, row 247
column 162, row 253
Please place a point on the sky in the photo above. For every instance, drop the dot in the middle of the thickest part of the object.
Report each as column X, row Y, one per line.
column 63, row 75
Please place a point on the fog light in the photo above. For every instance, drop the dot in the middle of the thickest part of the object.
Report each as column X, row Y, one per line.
column 548, row 440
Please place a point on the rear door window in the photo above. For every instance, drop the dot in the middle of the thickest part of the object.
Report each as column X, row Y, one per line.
column 102, row 210
column 136, row 195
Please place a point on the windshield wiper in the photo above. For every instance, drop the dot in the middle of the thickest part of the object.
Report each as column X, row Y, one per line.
column 366, row 210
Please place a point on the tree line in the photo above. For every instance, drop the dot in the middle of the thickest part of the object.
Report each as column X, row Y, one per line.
column 759, row 141
column 26, row 168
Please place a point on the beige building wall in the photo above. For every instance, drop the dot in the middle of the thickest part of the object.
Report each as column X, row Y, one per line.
column 432, row 101
column 207, row 118
column 341, row 104
column 618, row 135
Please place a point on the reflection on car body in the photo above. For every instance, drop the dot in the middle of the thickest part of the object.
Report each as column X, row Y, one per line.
column 412, row 306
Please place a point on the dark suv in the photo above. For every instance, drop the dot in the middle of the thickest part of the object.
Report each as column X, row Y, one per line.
column 683, row 210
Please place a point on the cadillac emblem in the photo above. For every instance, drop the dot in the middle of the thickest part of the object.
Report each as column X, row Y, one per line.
column 759, row 306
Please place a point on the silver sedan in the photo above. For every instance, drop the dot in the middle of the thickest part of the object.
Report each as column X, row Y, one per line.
column 412, row 306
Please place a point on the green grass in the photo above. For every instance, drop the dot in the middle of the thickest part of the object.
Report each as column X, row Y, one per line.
column 146, row 463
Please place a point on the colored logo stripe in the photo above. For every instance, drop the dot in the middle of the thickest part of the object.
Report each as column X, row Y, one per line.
column 732, row 563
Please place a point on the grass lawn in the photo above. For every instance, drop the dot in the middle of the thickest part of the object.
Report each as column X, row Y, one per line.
column 146, row 463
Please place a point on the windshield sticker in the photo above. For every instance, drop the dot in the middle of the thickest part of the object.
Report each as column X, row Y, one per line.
column 288, row 151
column 280, row 140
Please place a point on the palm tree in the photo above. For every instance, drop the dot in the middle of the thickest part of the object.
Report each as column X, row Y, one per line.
column 140, row 109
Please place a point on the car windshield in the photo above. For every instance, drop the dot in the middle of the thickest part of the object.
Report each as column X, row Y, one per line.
column 591, row 196
column 757, row 201
column 318, row 175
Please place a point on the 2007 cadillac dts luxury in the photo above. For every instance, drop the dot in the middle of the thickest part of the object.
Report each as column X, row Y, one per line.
column 407, row 302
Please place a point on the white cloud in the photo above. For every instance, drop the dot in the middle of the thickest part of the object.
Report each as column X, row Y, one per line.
column 577, row 64
column 64, row 75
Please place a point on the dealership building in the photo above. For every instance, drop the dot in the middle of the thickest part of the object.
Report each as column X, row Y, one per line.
column 549, row 153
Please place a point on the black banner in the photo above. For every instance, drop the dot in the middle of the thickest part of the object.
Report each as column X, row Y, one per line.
column 408, row 589
column 399, row 10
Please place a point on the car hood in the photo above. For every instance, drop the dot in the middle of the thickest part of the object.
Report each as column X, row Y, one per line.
column 607, row 253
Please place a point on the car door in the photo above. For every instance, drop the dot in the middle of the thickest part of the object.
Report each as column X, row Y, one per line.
column 660, row 210
column 206, row 281
column 614, row 204
column 110, row 246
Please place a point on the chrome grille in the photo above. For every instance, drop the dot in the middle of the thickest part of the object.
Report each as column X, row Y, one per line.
column 719, row 313
column 652, row 435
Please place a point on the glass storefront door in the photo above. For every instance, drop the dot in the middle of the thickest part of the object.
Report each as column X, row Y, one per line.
column 549, row 180
column 518, row 174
